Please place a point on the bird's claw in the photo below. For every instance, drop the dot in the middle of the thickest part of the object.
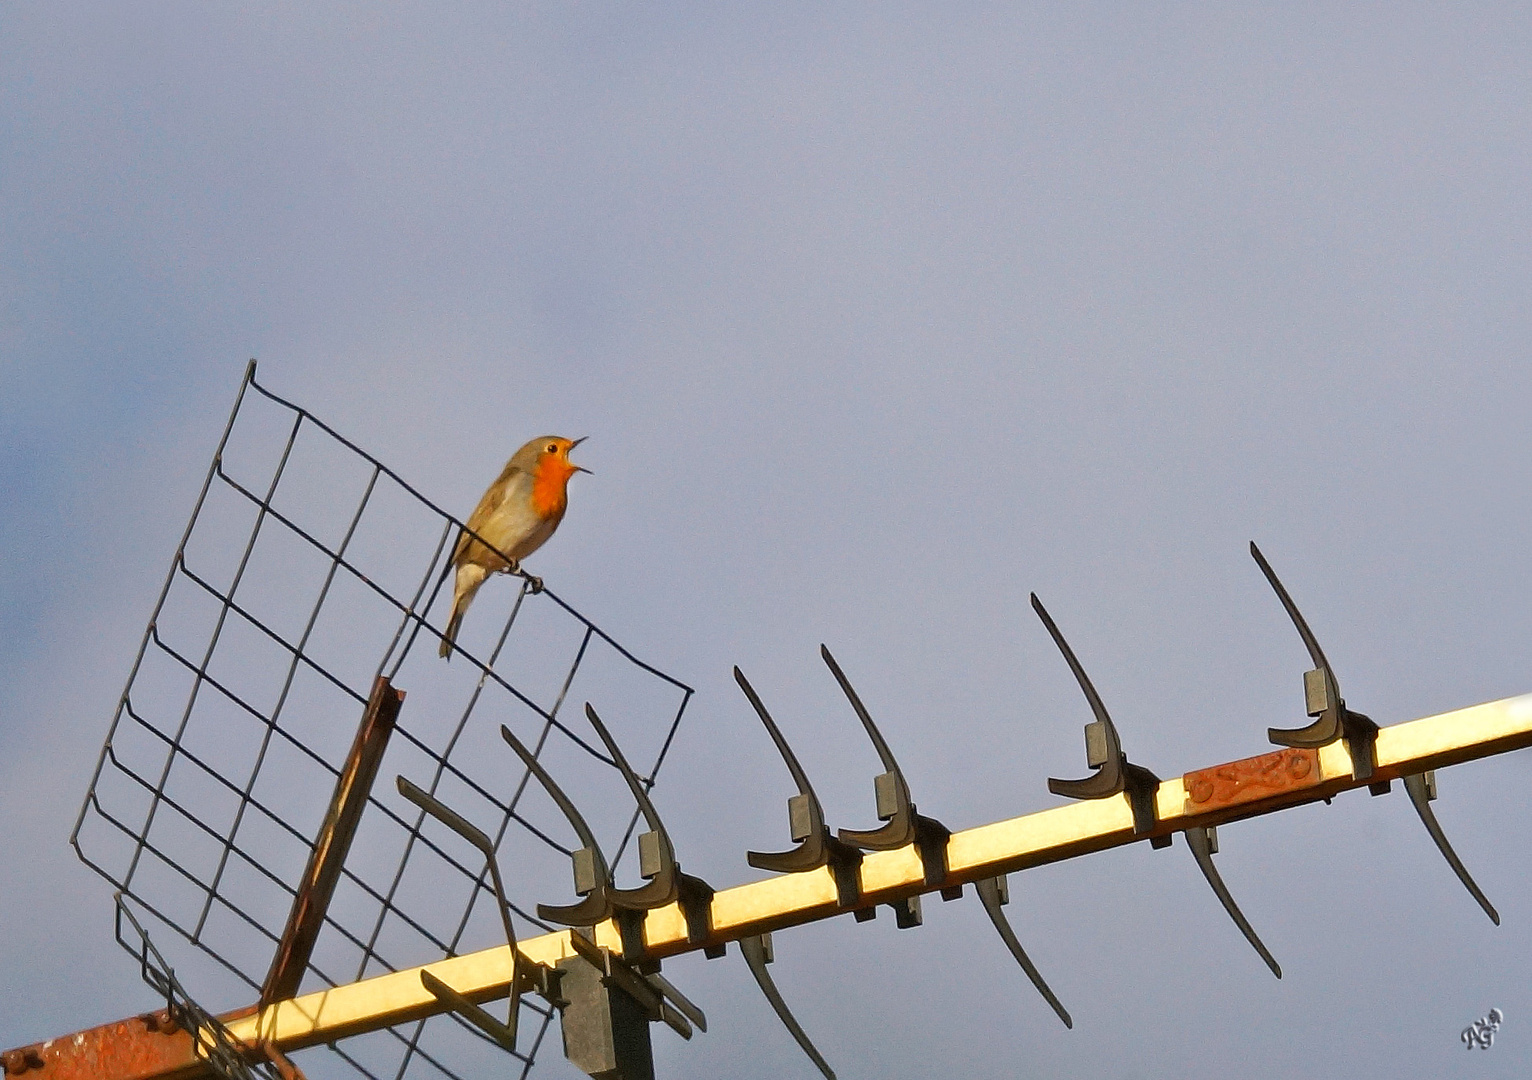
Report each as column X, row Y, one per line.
column 534, row 583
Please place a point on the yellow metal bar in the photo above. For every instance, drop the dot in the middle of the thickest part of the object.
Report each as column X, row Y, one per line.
column 1207, row 797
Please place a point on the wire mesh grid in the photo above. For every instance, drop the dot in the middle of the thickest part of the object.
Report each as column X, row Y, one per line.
column 209, row 1033
column 307, row 569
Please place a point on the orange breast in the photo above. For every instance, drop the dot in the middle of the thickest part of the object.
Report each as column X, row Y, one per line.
column 550, row 490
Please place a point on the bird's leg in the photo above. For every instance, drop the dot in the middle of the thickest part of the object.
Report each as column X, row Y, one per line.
column 534, row 583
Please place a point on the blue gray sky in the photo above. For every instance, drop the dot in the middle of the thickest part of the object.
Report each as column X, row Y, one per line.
column 879, row 317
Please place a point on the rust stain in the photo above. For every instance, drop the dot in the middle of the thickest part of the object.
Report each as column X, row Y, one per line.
column 1252, row 779
column 333, row 843
column 145, row 1046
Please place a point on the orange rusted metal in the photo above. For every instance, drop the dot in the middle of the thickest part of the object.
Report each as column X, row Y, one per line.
column 147, row 1047
column 333, row 844
column 1252, row 779
column 151, row 1045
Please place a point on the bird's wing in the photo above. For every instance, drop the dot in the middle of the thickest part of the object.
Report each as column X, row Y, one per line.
column 488, row 505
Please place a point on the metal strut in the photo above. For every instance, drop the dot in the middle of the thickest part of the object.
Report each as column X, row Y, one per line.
column 817, row 846
column 904, row 826
column 993, row 893
column 758, row 953
column 525, row 973
column 1322, row 697
column 1115, row 774
column 1203, row 841
column 1103, row 751
column 592, row 879
column 657, row 862
column 1422, row 790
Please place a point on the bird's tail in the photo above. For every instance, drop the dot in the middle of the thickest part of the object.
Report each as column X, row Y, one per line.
column 450, row 636
column 469, row 578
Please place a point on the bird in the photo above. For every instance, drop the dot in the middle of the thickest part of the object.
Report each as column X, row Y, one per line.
column 516, row 516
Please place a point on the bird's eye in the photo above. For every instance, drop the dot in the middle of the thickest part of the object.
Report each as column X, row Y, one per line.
column 553, row 448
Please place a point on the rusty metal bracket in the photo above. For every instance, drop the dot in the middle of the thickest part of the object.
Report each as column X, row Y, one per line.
column 1422, row 791
column 183, row 1038
column 1103, row 751
column 525, row 974
column 904, row 826
column 757, row 952
column 656, row 862
column 1322, row 698
column 328, row 857
column 817, row 846
column 592, row 878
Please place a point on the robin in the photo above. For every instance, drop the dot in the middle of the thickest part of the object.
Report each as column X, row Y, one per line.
column 515, row 517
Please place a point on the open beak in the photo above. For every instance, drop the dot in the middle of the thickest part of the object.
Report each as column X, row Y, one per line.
column 578, row 468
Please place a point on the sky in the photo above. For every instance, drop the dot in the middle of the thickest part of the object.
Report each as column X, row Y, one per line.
column 879, row 318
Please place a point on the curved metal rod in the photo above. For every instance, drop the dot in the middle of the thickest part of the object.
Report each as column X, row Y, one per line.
column 884, row 753
column 817, row 847
column 901, row 828
column 810, row 854
column 1096, row 704
column 1109, row 778
column 665, row 885
column 800, row 777
column 989, row 890
column 597, row 906
column 565, row 804
column 475, row 836
column 1416, row 786
column 753, row 949
column 1202, row 850
column 1328, row 727
column 1310, row 642
column 635, row 785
